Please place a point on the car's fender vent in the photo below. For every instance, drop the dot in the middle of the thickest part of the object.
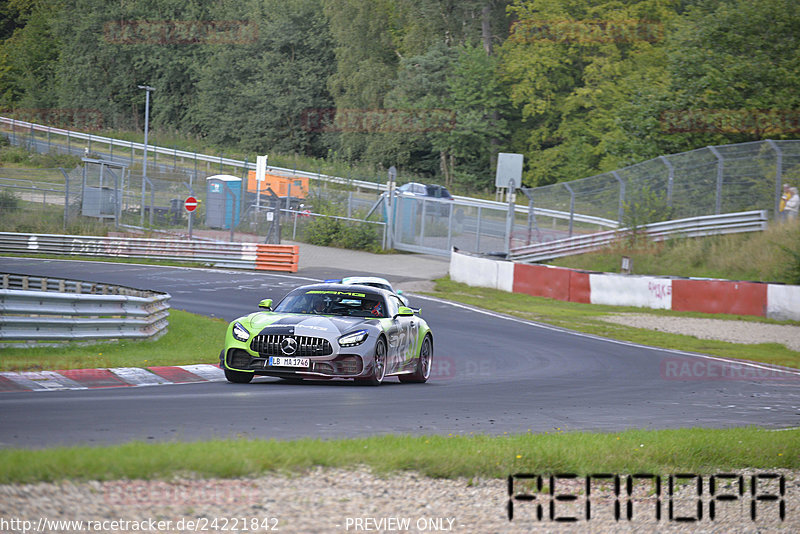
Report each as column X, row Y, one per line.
column 270, row 345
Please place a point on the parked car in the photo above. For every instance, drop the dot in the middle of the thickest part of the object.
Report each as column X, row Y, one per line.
column 429, row 191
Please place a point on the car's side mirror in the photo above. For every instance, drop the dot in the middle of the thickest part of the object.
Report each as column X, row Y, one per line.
column 266, row 304
column 404, row 311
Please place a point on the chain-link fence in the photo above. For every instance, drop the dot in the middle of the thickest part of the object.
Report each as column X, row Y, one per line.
column 707, row 181
column 112, row 188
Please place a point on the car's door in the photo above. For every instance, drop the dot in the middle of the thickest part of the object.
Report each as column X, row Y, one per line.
column 405, row 330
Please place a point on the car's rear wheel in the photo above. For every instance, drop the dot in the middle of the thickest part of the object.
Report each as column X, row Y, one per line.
column 423, row 370
column 238, row 377
column 378, row 365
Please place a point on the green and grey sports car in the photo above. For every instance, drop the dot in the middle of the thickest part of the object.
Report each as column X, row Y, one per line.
column 325, row 331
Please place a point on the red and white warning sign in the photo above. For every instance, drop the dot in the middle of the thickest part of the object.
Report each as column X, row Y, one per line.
column 190, row 204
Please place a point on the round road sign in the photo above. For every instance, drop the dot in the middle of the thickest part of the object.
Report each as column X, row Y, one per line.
column 190, row 204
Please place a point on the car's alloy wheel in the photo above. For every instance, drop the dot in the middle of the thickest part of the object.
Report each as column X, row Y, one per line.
column 238, row 377
column 378, row 365
column 423, row 370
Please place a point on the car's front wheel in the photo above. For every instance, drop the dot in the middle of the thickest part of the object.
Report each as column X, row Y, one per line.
column 378, row 365
column 423, row 370
column 238, row 377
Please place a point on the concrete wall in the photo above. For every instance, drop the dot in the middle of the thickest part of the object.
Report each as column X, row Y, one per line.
column 775, row 301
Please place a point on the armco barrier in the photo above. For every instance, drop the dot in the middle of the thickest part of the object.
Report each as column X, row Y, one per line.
column 775, row 301
column 219, row 253
column 36, row 309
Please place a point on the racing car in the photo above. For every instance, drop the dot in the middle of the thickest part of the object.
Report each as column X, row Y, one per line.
column 324, row 331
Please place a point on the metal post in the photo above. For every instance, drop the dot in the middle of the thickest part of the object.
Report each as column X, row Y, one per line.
column 131, row 153
column 450, row 228
column 621, row 207
column 147, row 90
column 191, row 193
column 510, row 214
column 571, row 206
column 670, row 179
column 478, row 232
column 720, row 171
column 66, row 197
column 778, row 174
column 422, row 225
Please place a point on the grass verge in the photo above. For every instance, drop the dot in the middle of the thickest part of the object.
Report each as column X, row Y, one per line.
column 693, row 450
column 588, row 318
column 189, row 339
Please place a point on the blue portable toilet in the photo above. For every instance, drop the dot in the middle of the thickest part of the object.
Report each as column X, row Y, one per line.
column 223, row 201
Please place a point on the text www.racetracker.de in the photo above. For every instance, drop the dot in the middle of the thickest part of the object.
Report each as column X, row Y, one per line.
column 202, row 524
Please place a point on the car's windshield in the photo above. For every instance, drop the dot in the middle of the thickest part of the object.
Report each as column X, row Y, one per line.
column 332, row 302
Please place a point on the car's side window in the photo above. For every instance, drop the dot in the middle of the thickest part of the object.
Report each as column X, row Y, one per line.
column 394, row 305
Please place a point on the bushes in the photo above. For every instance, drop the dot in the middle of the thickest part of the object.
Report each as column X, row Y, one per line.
column 18, row 155
column 8, row 202
column 330, row 232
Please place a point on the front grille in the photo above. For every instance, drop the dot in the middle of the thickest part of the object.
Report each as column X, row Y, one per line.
column 270, row 345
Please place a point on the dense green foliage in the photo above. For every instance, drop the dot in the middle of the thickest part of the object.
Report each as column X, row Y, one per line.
column 435, row 87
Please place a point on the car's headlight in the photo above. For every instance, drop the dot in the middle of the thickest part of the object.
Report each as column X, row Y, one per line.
column 240, row 333
column 356, row 338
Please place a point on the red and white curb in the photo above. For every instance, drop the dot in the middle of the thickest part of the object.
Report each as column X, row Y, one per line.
column 108, row 377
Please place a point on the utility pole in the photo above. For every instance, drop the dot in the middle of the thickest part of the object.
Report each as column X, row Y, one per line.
column 148, row 89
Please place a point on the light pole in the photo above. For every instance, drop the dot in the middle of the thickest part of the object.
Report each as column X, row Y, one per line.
column 147, row 89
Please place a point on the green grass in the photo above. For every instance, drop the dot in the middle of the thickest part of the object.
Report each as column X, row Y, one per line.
column 588, row 318
column 664, row 451
column 189, row 339
column 769, row 256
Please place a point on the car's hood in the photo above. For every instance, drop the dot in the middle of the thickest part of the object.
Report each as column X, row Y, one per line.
column 306, row 325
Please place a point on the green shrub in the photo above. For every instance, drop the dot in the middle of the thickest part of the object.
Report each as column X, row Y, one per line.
column 8, row 201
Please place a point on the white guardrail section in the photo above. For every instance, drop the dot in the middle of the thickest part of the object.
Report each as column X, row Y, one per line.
column 36, row 309
column 728, row 223
column 232, row 254
column 288, row 172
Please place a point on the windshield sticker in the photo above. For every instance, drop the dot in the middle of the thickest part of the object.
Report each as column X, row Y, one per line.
column 344, row 293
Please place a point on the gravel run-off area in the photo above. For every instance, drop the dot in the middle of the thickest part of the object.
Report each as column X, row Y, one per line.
column 747, row 332
column 356, row 500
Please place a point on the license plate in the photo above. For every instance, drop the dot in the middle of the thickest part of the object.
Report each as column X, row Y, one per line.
column 284, row 361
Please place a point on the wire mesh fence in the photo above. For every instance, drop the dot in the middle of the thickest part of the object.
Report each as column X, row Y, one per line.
column 707, row 181
column 115, row 190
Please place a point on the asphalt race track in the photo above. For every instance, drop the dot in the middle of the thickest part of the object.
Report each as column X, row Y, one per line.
column 493, row 375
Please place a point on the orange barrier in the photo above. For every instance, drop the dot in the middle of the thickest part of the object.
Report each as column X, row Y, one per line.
column 277, row 258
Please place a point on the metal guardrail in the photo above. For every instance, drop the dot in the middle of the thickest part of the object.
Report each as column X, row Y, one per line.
column 281, row 171
column 238, row 255
column 34, row 309
column 728, row 223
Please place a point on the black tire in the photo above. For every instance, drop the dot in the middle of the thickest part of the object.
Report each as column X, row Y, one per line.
column 423, row 370
column 379, row 365
column 238, row 377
